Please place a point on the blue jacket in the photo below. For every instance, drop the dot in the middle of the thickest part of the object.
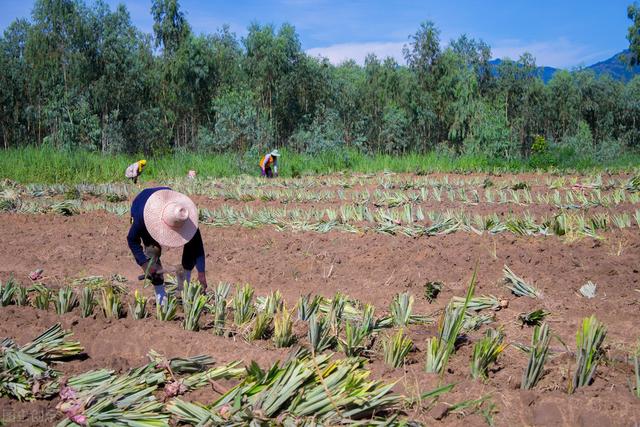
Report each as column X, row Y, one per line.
column 192, row 253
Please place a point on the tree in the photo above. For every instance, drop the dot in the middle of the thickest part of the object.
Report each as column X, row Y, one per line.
column 423, row 51
column 270, row 58
column 119, row 62
column 476, row 55
column 169, row 25
column 58, row 50
column 633, row 34
column 15, row 115
column 564, row 105
column 630, row 122
column 85, row 77
column 348, row 86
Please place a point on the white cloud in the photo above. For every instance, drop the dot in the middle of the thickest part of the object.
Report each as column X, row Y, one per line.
column 338, row 53
column 560, row 53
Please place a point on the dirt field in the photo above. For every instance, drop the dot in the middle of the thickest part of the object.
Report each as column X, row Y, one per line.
column 371, row 267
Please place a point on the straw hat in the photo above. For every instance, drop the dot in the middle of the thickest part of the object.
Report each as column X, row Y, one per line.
column 171, row 218
column 275, row 153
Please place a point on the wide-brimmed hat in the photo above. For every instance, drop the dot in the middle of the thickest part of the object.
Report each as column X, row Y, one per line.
column 275, row 153
column 171, row 218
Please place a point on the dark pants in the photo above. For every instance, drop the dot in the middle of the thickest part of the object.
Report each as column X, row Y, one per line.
column 268, row 172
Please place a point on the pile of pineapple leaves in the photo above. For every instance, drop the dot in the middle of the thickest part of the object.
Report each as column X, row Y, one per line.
column 306, row 389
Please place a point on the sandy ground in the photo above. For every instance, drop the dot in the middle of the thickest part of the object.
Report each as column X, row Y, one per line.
column 369, row 267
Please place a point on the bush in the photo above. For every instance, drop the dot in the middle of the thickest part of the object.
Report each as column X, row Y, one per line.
column 492, row 137
column 582, row 142
column 325, row 133
column 73, row 124
column 239, row 125
column 540, row 145
column 394, row 130
column 113, row 136
column 609, row 149
column 149, row 133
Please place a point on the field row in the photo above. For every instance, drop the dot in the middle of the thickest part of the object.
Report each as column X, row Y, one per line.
column 356, row 218
column 149, row 395
column 340, row 323
column 392, row 181
column 518, row 194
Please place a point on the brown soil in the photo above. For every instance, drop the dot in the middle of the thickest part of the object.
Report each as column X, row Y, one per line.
column 372, row 268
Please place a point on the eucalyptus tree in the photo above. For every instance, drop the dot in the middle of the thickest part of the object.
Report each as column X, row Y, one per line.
column 633, row 33
column 16, row 115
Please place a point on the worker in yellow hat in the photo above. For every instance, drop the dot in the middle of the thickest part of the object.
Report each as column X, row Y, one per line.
column 135, row 170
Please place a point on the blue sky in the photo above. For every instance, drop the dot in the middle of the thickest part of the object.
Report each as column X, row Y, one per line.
column 560, row 33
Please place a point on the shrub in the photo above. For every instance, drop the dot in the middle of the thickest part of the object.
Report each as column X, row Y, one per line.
column 324, row 134
column 492, row 136
column 540, row 145
column 238, row 126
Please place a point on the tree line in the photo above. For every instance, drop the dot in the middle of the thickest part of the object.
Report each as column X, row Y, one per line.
column 83, row 76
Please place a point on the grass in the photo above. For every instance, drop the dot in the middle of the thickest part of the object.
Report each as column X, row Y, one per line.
column 66, row 300
column 589, row 339
column 110, row 303
column 48, row 165
column 167, row 312
column 401, row 307
column 319, row 334
column 537, row 356
column 87, row 301
column 283, row 328
column 193, row 303
column 440, row 348
column 219, row 307
column 533, row 318
column 242, row 303
column 486, row 352
column 518, row 286
column 139, row 308
column 395, row 349
column 7, row 291
column 42, row 297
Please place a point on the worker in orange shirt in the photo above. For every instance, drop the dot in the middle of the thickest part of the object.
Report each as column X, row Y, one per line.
column 269, row 164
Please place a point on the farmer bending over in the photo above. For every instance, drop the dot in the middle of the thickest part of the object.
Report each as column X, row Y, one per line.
column 163, row 217
column 135, row 170
column 269, row 164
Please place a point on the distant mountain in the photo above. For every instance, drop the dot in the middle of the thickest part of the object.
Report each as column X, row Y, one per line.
column 617, row 67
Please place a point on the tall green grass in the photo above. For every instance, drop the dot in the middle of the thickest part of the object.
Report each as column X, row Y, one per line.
column 48, row 165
